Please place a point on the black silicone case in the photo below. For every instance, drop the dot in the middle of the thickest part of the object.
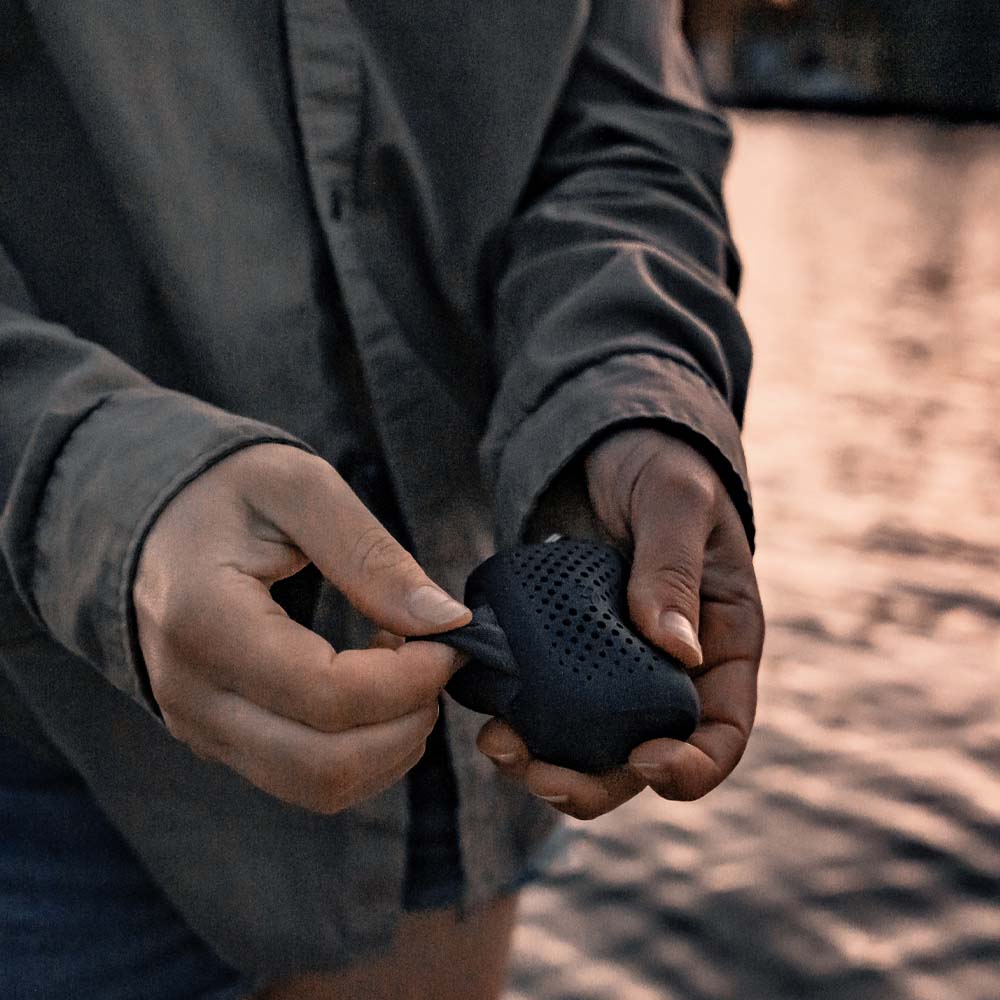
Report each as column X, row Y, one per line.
column 556, row 658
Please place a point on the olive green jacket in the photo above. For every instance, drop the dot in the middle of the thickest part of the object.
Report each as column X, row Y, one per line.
column 514, row 240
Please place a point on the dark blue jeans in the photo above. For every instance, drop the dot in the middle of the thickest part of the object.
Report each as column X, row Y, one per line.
column 79, row 916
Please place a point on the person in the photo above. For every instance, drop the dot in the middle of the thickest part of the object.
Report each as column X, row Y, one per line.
column 304, row 309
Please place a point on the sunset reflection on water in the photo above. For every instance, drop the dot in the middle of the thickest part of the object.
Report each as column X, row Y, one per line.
column 855, row 853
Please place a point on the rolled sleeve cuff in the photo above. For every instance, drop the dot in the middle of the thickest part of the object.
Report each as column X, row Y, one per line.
column 119, row 468
column 630, row 389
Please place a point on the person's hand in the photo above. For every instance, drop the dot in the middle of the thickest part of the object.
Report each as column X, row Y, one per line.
column 238, row 681
column 691, row 591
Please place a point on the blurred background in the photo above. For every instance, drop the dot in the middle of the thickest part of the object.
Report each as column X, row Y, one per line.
column 939, row 56
column 855, row 852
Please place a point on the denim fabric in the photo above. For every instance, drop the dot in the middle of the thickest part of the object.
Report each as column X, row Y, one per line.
column 79, row 916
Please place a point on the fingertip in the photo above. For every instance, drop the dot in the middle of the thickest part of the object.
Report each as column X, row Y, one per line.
column 662, row 750
column 449, row 658
column 500, row 743
column 547, row 780
column 675, row 769
column 580, row 795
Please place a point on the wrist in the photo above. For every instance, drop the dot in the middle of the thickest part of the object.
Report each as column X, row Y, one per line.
column 621, row 455
column 564, row 507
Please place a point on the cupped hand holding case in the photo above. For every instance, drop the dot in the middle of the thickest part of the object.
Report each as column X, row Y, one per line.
column 554, row 655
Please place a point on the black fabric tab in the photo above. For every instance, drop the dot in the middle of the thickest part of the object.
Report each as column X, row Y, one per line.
column 491, row 680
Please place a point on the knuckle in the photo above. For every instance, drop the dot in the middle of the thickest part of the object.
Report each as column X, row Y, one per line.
column 687, row 787
column 317, row 797
column 427, row 666
column 177, row 618
column 679, row 581
column 328, row 713
column 323, row 791
column 420, row 750
column 175, row 725
column 326, row 798
column 308, row 481
column 185, row 731
column 309, row 470
column 276, row 464
column 327, row 805
column 693, row 482
column 329, row 709
column 168, row 688
column 757, row 633
column 670, row 791
column 749, row 614
column 376, row 552
column 203, row 747
column 328, row 773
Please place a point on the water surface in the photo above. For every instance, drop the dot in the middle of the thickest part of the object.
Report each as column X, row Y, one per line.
column 855, row 852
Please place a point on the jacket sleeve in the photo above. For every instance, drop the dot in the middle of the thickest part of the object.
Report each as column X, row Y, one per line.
column 615, row 298
column 90, row 453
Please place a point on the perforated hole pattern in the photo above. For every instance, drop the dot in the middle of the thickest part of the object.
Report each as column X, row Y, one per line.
column 577, row 593
column 585, row 687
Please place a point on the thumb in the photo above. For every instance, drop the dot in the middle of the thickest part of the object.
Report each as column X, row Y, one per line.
column 670, row 528
column 330, row 525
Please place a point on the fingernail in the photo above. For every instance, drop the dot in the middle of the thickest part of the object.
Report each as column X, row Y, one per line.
column 501, row 758
column 554, row 799
column 677, row 625
column 434, row 606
